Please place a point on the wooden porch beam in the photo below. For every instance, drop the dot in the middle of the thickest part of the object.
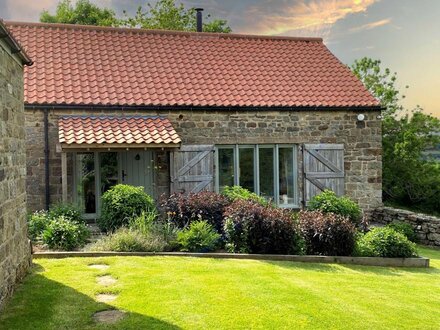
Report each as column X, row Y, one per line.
column 64, row 175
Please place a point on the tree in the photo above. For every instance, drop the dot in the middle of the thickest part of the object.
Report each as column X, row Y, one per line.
column 410, row 178
column 167, row 15
column 84, row 12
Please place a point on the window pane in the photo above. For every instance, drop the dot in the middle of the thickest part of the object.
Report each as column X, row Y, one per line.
column 85, row 163
column 226, row 168
column 265, row 160
column 286, row 176
column 108, row 162
column 246, row 160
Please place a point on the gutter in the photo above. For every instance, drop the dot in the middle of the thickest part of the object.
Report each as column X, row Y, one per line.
column 14, row 45
column 194, row 108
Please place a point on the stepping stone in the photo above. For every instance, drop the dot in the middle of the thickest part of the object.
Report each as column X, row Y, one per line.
column 99, row 266
column 108, row 316
column 106, row 297
column 106, row 280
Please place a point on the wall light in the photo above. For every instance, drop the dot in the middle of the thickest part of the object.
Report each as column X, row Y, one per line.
column 361, row 117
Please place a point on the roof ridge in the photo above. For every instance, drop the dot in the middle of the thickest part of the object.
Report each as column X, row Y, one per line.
column 161, row 32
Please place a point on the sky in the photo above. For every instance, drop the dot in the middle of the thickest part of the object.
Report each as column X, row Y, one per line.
column 403, row 34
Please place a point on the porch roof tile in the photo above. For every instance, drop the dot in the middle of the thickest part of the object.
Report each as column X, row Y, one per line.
column 88, row 130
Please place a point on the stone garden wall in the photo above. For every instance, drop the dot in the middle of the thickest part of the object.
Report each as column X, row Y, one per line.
column 14, row 246
column 362, row 142
column 427, row 227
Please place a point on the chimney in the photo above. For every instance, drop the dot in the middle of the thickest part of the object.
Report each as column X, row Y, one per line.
column 199, row 19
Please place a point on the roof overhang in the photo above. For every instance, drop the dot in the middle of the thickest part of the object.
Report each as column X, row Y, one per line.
column 14, row 45
column 116, row 133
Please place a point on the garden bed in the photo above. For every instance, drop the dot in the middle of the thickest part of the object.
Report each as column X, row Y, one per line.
column 419, row 262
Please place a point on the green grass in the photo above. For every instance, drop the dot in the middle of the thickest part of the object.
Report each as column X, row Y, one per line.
column 191, row 293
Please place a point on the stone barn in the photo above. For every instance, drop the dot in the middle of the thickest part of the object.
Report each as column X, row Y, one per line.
column 189, row 111
column 15, row 254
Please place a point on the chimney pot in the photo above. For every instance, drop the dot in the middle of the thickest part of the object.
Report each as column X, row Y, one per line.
column 199, row 19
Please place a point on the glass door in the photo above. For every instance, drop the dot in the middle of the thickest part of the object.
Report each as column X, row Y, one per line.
column 86, row 183
column 96, row 172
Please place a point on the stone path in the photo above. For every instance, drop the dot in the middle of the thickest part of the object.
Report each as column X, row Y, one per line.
column 108, row 316
column 111, row 315
column 106, row 280
column 99, row 266
column 106, row 297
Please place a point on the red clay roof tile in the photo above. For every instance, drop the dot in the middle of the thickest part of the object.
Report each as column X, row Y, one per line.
column 90, row 65
column 120, row 130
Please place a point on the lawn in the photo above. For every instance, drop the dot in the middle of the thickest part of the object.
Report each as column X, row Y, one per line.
column 190, row 293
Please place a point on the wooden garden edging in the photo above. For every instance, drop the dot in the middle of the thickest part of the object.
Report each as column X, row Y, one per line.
column 366, row 261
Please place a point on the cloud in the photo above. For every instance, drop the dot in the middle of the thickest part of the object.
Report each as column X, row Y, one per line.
column 313, row 17
column 371, row 25
column 358, row 49
column 25, row 10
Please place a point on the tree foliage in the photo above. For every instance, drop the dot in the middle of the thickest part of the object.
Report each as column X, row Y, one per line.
column 168, row 15
column 83, row 12
column 162, row 15
column 410, row 178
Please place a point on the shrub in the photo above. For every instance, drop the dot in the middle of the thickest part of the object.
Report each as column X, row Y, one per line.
column 64, row 234
column 385, row 242
column 183, row 209
column 144, row 222
column 66, row 210
column 253, row 228
column 327, row 233
column 200, row 236
column 37, row 222
column 121, row 203
column 130, row 240
column 405, row 229
column 327, row 202
column 237, row 192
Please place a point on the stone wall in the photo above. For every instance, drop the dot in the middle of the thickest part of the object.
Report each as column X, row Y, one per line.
column 427, row 227
column 14, row 245
column 362, row 141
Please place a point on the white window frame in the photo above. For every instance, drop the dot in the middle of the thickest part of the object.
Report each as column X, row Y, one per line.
column 256, row 148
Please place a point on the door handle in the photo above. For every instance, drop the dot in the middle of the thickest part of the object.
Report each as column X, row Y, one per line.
column 123, row 175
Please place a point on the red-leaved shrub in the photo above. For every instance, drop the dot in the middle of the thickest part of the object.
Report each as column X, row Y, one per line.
column 183, row 209
column 253, row 228
column 327, row 233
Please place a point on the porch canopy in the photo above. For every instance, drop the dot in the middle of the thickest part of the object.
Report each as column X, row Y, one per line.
column 92, row 132
column 112, row 132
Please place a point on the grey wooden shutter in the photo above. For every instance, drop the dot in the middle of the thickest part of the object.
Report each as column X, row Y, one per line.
column 192, row 169
column 323, row 169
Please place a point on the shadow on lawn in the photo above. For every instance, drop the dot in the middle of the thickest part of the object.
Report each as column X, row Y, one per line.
column 340, row 268
column 41, row 303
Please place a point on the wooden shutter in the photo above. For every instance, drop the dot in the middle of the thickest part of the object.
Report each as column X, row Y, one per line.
column 192, row 169
column 323, row 169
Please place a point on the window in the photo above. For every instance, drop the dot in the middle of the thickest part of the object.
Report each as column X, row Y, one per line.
column 268, row 170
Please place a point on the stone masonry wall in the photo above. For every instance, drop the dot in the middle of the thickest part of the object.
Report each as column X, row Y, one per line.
column 426, row 227
column 362, row 141
column 14, row 245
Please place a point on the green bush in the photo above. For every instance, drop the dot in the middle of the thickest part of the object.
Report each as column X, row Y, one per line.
column 384, row 242
column 327, row 233
column 328, row 202
column 66, row 210
column 405, row 229
column 64, row 234
column 37, row 222
column 237, row 192
column 122, row 203
column 144, row 222
column 200, row 236
column 130, row 240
